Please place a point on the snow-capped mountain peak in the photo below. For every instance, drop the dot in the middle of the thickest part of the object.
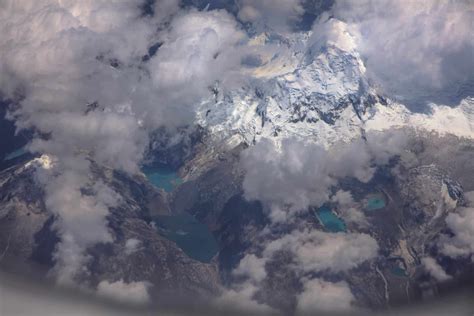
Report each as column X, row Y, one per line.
column 316, row 87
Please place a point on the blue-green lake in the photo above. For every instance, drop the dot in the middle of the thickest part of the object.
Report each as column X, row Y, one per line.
column 399, row 272
column 15, row 154
column 330, row 220
column 376, row 202
column 163, row 177
column 193, row 237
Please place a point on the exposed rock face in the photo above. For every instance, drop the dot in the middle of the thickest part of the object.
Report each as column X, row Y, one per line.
column 429, row 195
column 174, row 150
column 22, row 216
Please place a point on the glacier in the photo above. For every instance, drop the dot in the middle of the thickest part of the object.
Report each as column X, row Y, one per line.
column 319, row 93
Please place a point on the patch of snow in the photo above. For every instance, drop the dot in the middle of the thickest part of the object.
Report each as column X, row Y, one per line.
column 458, row 121
column 44, row 161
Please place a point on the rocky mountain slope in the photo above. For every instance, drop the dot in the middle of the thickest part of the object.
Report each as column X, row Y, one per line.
column 138, row 252
column 300, row 91
column 319, row 93
column 418, row 198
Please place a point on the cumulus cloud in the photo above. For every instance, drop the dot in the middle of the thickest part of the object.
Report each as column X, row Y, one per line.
column 347, row 208
column 133, row 292
column 57, row 57
column 253, row 267
column 80, row 218
column 418, row 51
column 132, row 245
column 114, row 139
column 461, row 224
column 298, row 174
column 342, row 198
column 164, row 9
column 29, row 299
column 312, row 251
column 319, row 295
column 317, row 251
column 276, row 14
column 88, row 82
column 434, row 269
column 200, row 48
column 242, row 298
column 242, row 295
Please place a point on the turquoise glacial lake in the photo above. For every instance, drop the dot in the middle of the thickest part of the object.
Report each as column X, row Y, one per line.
column 163, row 177
column 376, row 202
column 330, row 220
column 193, row 237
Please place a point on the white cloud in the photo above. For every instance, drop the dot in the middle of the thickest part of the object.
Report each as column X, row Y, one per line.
column 253, row 267
column 461, row 223
column 242, row 299
column 133, row 292
column 286, row 176
column 132, row 245
column 434, row 269
column 277, row 14
column 312, row 251
column 165, row 9
column 199, row 49
column 322, row 296
column 420, row 51
column 298, row 174
column 347, row 208
column 81, row 219
column 343, row 198
column 317, row 251
column 57, row 57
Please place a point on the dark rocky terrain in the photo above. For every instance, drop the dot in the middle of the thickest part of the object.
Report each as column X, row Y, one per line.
column 418, row 199
column 28, row 237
